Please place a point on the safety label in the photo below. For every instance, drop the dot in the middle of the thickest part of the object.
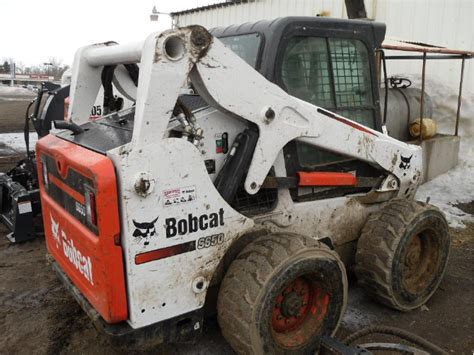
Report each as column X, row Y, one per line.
column 179, row 195
column 24, row 207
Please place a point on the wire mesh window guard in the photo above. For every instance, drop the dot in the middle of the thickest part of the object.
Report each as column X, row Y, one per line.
column 333, row 73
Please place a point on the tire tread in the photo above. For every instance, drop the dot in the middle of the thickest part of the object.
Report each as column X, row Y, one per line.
column 239, row 289
column 377, row 246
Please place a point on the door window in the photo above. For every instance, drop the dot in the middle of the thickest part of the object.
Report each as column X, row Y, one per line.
column 333, row 73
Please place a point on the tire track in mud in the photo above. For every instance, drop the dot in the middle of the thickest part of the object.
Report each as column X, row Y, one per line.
column 64, row 320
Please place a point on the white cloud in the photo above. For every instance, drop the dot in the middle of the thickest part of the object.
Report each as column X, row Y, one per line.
column 33, row 31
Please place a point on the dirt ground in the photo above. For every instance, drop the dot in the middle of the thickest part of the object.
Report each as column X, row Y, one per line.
column 38, row 316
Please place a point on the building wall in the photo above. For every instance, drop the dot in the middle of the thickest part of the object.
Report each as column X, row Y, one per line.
column 447, row 23
column 263, row 9
column 442, row 22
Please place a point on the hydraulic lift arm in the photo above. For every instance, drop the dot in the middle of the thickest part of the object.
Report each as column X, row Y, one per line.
column 224, row 80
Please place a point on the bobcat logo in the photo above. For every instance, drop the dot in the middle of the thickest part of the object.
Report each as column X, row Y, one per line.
column 145, row 229
column 405, row 162
column 55, row 231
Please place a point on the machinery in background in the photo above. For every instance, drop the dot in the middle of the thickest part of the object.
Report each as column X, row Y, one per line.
column 20, row 206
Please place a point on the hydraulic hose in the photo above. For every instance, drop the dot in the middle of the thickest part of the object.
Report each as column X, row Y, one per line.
column 26, row 129
column 400, row 333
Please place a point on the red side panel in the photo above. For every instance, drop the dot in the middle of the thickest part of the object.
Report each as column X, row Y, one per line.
column 322, row 178
column 88, row 254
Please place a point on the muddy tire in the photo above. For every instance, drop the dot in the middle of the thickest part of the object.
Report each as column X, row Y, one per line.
column 280, row 294
column 402, row 253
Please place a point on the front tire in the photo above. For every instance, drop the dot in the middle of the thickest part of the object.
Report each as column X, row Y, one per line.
column 280, row 295
column 402, row 254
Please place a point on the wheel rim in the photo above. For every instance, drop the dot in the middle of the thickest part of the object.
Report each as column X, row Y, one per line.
column 420, row 262
column 299, row 312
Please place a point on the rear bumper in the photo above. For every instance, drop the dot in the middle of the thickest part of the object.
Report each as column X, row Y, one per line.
column 99, row 322
column 185, row 328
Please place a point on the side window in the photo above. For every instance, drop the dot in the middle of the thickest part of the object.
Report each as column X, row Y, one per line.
column 245, row 46
column 333, row 73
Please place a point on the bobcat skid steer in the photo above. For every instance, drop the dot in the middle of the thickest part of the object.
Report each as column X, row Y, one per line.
column 154, row 212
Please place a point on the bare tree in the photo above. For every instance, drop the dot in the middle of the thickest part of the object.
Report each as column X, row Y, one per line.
column 5, row 68
column 55, row 67
column 7, row 64
column 20, row 67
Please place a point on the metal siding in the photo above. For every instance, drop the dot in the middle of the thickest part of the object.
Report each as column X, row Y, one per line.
column 262, row 9
column 442, row 22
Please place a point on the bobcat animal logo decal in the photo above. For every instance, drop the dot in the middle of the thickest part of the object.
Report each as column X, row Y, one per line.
column 405, row 162
column 55, row 231
column 144, row 229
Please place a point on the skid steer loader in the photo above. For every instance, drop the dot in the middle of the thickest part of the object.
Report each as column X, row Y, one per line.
column 245, row 199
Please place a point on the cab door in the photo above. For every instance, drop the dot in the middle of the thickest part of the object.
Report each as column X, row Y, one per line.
column 335, row 73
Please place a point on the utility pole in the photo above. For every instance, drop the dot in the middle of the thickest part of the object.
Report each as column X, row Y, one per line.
column 48, row 66
column 12, row 72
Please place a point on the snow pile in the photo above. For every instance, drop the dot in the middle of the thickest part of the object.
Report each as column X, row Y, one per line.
column 14, row 91
column 457, row 185
column 16, row 141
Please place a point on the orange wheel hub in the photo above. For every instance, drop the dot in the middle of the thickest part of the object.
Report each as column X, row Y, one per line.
column 296, row 303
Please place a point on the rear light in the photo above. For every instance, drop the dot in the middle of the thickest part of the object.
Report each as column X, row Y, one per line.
column 45, row 174
column 91, row 213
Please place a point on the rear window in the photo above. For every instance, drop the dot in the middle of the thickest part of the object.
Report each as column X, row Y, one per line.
column 245, row 46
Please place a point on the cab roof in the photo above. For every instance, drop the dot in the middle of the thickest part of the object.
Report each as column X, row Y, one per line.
column 273, row 29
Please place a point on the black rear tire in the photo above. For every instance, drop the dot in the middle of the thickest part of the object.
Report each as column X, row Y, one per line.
column 402, row 253
column 280, row 295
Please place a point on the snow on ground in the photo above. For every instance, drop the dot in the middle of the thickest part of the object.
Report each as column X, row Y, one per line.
column 6, row 90
column 457, row 185
column 16, row 141
column 358, row 314
column 16, row 98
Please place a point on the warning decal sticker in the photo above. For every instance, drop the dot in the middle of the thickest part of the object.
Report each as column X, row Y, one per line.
column 179, row 195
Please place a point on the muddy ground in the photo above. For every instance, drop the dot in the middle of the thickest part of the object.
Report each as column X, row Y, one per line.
column 38, row 316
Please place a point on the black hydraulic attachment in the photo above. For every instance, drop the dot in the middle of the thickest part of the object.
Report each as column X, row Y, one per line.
column 20, row 206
